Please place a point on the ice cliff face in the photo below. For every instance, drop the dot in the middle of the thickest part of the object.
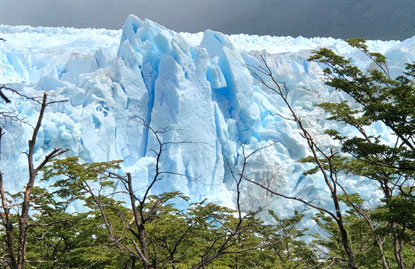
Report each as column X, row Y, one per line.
column 194, row 89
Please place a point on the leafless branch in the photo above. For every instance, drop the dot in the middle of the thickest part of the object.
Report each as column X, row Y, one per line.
column 328, row 175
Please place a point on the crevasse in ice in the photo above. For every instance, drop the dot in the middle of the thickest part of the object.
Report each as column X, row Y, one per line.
column 193, row 88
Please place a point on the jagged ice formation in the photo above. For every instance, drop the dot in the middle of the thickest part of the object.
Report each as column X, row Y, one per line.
column 195, row 85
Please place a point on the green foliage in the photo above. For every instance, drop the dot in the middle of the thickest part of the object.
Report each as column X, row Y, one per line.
column 287, row 249
column 59, row 238
column 176, row 237
column 72, row 175
column 367, row 254
column 377, row 98
column 103, row 234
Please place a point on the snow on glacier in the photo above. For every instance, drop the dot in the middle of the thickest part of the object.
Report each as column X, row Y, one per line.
column 193, row 88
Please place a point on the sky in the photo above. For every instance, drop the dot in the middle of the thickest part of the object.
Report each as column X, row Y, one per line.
column 370, row 19
column 179, row 15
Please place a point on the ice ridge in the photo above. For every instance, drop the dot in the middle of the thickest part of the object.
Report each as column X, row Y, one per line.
column 195, row 90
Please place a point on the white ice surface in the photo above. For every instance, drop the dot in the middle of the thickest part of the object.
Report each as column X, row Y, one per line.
column 196, row 86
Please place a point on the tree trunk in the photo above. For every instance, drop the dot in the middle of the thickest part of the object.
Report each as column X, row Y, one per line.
column 8, row 225
column 397, row 251
column 345, row 240
column 24, row 218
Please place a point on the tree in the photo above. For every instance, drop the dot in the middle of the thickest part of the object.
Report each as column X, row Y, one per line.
column 203, row 235
column 61, row 238
column 324, row 161
column 17, row 260
column 287, row 248
column 378, row 98
column 149, row 229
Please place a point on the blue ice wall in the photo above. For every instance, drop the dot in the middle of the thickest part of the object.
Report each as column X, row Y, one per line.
column 196, row 90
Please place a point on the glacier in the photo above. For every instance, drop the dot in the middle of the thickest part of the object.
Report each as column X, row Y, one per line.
column 193, row 88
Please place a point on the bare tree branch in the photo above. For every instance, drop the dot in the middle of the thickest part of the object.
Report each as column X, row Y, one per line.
column 317, row 153
column 18, row 261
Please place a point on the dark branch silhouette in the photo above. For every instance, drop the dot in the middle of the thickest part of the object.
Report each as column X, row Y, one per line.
column 18, row 260
column 7, row 100
column 318, row 154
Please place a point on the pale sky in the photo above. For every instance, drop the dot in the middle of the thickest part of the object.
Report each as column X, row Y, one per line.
column 179, row 15
column 370, row 19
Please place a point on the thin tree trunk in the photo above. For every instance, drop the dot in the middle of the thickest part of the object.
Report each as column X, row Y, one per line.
column 330, row 181
column 8, row 225
column 33, row 171
column 344, row 236
column 397, row 251
column 24, row 216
